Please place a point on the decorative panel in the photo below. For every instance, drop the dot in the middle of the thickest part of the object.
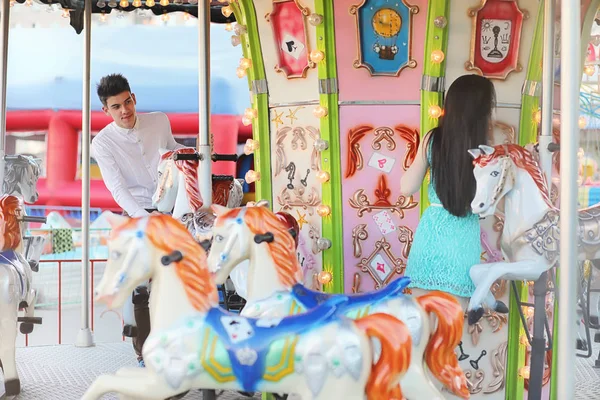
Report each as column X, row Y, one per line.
column 287, row 39
column 472, row 39
column 380, row 49
column 377, row 144
column 296, row 190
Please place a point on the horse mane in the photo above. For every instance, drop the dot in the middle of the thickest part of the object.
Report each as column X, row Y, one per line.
column 168, row 235
column 13, row 172
column 189, row 169
column 261, row 220
column 522, row 159
column 10, row 205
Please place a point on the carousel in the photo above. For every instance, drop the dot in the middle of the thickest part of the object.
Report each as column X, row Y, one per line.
column 342, row 94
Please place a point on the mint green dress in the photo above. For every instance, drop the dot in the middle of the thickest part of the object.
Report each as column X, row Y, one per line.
column 444, row 248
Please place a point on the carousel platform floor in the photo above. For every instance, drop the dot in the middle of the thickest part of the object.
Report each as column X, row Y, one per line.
column 64, row 372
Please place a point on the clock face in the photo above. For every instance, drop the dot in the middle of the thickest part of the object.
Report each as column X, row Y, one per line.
column 387, row 22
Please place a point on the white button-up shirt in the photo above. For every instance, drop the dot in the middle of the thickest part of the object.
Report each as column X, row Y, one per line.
column 128, row 159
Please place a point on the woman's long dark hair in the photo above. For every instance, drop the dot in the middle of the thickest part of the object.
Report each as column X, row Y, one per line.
column 464, row 125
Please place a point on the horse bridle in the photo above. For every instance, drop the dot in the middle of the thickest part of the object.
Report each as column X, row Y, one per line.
column 506, row 172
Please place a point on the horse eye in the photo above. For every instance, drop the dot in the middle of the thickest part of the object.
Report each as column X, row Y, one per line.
column 495, row 173
column 218, row 238
column 115, row 255
column 159, row 174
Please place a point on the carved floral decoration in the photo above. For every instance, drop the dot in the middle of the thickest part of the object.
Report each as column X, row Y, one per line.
column 361, row 202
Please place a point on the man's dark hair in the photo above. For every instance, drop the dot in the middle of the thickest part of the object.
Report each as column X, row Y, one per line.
column 112, row 85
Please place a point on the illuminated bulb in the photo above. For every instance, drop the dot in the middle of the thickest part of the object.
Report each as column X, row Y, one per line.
column 251, row 113
column 164, row 3
column 240, row 29
column 435, row 111
column 437, row 56
column 250, row 147
column 165, row 17
column 137, row 3
column 321, row 145
column 323, row 210
column 186, row 16
column 227, row 11
column 66, row 13
column 245, row 63
column 324, row 277
column 124, row 3
column 530, row 312
column 235, row 41
column 246, row 121
column 103, row 17
column 316, row 56
column 240, row 72
column 323, row 176
column 523, row 340
column 252, row 176
column 150, row 3
column 582, row 122
column 537, row 116
column 589, row 70
column 524, row 372
column 320, row 112
column 315, row 19
column 228, row 27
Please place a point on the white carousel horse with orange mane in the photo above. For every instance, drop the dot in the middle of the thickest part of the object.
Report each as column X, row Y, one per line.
column 320, row 355
column 530, row 240
column 275, row 290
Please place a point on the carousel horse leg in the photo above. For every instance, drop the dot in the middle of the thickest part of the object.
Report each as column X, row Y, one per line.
column 139, row 386
column 29, row 320
column 484, row 276
column 8, row 336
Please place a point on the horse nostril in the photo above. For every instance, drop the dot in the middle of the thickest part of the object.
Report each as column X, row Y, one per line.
column 481, row 205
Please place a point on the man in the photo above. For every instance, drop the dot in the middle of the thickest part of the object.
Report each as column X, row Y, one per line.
column 127, row 153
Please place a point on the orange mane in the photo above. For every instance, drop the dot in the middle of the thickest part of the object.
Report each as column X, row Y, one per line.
column 168, row 235
column 189, row 168
column 11, row 208
column 261, row 220
column 522, row 159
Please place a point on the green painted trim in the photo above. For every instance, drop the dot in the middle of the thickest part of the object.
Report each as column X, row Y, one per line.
column 246, row 14
column 436, row 39
column 515, row 354
column 331, row 192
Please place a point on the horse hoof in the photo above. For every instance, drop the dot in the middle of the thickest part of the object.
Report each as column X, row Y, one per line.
column 26, row 328
column 475, row 315
column 500, row 307
column 178, row 396
column 12, row 387
column 246, row 394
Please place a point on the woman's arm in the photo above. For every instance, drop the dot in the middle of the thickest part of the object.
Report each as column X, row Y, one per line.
column 412, row 179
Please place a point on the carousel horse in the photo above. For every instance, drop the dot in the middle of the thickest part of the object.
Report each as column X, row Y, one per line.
column 21, row 174
column 194, row 343
column 530, row 239
column 16, row 281
column 275, row 290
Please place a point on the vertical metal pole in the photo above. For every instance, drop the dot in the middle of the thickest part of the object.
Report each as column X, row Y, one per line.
column 84, row 337
column 4, row 28
column 205, row 172
column 569, row 96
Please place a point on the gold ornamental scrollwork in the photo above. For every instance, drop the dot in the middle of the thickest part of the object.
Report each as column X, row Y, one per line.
column 359, row 234
column 360, row 201
column 405, row 236
column 287, row 202
column 280, row 157
column 475, row 380
column 382, row 246
column 498, row 361
column 384, row 134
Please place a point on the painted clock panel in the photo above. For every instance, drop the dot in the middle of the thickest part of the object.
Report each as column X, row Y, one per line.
column 380, row 47
column 296, row 190
column 378, row 144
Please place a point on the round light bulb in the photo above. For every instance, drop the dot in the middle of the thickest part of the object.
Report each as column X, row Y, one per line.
column 323, row 210
column 124, row 3
column 524, row 372
column 321, row 145
column 112, row 3
column 523, row 340
column 235, row 41
column 137, row 3
column 250, row 147
column 150, row 3
column 245, row 63
column 537, row 116
column 246, row 121
column 316, row 56
column 323, row 244
column 437, row 56
column 435, row 111
column 252, row 176
column 164, row 3
column 66, row 13
column 323, row 176
column 320, row 112
column 315, row 19
column 186, row 16
column 228, row 27
column 251, row 113
column 227, row 11
column 324, row 277
column 103, row 17
column 101, row 4
column 589, row 70
column 240, row 72
column 440, row 22
column 582, row 122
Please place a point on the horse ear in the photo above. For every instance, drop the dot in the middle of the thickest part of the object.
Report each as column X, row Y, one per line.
column 475, row 153
column 218, row 209
column 116, row 220
column 487, row 150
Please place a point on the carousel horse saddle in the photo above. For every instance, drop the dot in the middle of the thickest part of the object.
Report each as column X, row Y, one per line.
column 248, row 340
column 310, row 298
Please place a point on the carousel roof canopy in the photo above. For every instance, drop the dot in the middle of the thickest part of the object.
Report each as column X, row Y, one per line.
column 45, row 68
column 77, row 7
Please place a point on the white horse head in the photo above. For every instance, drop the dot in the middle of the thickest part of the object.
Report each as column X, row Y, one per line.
column 21, row 174
column 495, row 176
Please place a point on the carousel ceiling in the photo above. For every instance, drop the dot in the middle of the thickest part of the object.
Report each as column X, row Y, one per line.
column 76, row 8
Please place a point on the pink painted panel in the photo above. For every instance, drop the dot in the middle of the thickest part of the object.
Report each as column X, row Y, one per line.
column 357, row 84
column 377, row 143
